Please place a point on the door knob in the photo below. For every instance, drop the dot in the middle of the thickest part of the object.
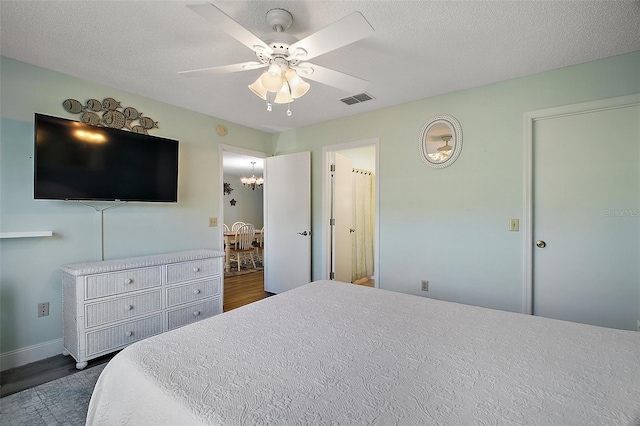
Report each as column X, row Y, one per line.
column 305, row 233
column 541, row 244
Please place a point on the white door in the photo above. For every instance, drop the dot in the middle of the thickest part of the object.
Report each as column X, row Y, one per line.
column 586, row 195
column 287, row 194
column 343, row 217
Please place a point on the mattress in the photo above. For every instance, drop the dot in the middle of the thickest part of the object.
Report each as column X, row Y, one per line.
column 336, row 353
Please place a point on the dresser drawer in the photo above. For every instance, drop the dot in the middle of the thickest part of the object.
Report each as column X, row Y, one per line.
column 111, row 283
column 194, row 269
column 180, row 294
column 192, row 313
column 122, row 308
column 110, row 339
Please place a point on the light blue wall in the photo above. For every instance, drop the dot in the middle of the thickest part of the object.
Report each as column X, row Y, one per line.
column 450, row 226
column 29, row 267
column 363, row 158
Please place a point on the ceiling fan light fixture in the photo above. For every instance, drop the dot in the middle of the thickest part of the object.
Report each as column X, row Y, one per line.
column 272, row 78
column 284, row 94
column 283, row 54
column 258, row 89
column 446, row 148
column 263, row 50
column 298, row 54
column 298, row 86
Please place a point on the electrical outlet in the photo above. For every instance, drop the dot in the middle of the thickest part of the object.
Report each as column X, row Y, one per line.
column 425, row 285
column 514, row 224
column 43, row 309
column 213, row 221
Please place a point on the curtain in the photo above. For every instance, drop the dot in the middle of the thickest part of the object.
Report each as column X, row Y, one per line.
column 363, row 211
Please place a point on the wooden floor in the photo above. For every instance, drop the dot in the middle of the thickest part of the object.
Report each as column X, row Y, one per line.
column 367, row 282
column 238, row 291
column 243, row 289
column 34, row 374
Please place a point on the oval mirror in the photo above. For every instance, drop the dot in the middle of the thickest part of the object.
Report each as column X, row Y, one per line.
column 440, row 141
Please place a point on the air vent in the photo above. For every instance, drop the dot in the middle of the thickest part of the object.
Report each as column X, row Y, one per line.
column 356, row 99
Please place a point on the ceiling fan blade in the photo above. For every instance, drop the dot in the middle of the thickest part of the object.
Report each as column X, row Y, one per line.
column 330, row 77
column 227, row 24
column 225, row 69
column 347, row 30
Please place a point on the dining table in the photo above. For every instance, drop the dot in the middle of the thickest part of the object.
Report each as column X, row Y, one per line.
column 229, row 239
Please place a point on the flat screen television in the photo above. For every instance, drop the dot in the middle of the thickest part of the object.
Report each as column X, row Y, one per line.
column 76, row 161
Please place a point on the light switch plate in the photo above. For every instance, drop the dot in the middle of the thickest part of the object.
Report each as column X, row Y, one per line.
column 514, row 224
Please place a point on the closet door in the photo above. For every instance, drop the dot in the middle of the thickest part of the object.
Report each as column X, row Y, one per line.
column 586, row 221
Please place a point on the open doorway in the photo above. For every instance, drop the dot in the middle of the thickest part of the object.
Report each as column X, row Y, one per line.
column 351, row 210
column 241, row 203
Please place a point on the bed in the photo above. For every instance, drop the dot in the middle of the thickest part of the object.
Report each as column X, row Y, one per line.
column 334, row 353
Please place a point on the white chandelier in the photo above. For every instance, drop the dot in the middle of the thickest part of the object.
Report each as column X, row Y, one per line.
column 252, row 182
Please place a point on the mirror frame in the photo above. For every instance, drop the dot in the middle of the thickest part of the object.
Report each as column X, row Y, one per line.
column 456, row 138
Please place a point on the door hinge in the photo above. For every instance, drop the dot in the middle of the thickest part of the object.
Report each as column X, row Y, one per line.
column 332, row 221
column 332, row 276
column 333, row 167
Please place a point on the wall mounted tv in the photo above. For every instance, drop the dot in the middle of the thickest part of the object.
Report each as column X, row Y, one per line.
column 76, row 161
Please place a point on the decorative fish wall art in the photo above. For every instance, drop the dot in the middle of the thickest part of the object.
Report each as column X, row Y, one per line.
column 112, row 115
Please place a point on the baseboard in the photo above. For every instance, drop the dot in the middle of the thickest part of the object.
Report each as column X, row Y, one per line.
column 30, row 354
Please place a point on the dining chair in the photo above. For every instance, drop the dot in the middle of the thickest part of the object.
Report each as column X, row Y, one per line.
column 226, row 228
column 244, row 244
column 234, row 228
column 259, row 245
column 236, row 225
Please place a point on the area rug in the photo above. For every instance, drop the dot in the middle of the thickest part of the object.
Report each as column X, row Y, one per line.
column 61, row 402
column 233, row 272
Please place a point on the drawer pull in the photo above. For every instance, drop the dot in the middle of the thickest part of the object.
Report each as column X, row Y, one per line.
column 196, row 313
column 196, row 269
column 128, row 281
column 129, row 333
column 128, row 307
column 196, row 291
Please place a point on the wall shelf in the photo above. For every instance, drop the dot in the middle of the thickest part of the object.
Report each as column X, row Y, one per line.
column 30, row 234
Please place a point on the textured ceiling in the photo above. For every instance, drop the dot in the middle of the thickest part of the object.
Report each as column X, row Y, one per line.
column 240, row 164
column 419, row 48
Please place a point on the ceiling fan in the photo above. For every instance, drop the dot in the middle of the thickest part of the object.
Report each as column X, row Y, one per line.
column 284, row 56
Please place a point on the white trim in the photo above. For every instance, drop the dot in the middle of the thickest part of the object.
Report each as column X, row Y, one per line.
column 527, row 225
column 326, row 203
column 30, row 354
column 529, row 119
column 243, row 151
column 26, row 234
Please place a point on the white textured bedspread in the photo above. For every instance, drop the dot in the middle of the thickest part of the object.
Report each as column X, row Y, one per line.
column 331, row 353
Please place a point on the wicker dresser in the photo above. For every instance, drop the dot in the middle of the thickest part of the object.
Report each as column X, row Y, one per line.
column 110, row 304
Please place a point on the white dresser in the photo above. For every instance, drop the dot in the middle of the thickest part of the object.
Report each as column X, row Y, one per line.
column 110, row 304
